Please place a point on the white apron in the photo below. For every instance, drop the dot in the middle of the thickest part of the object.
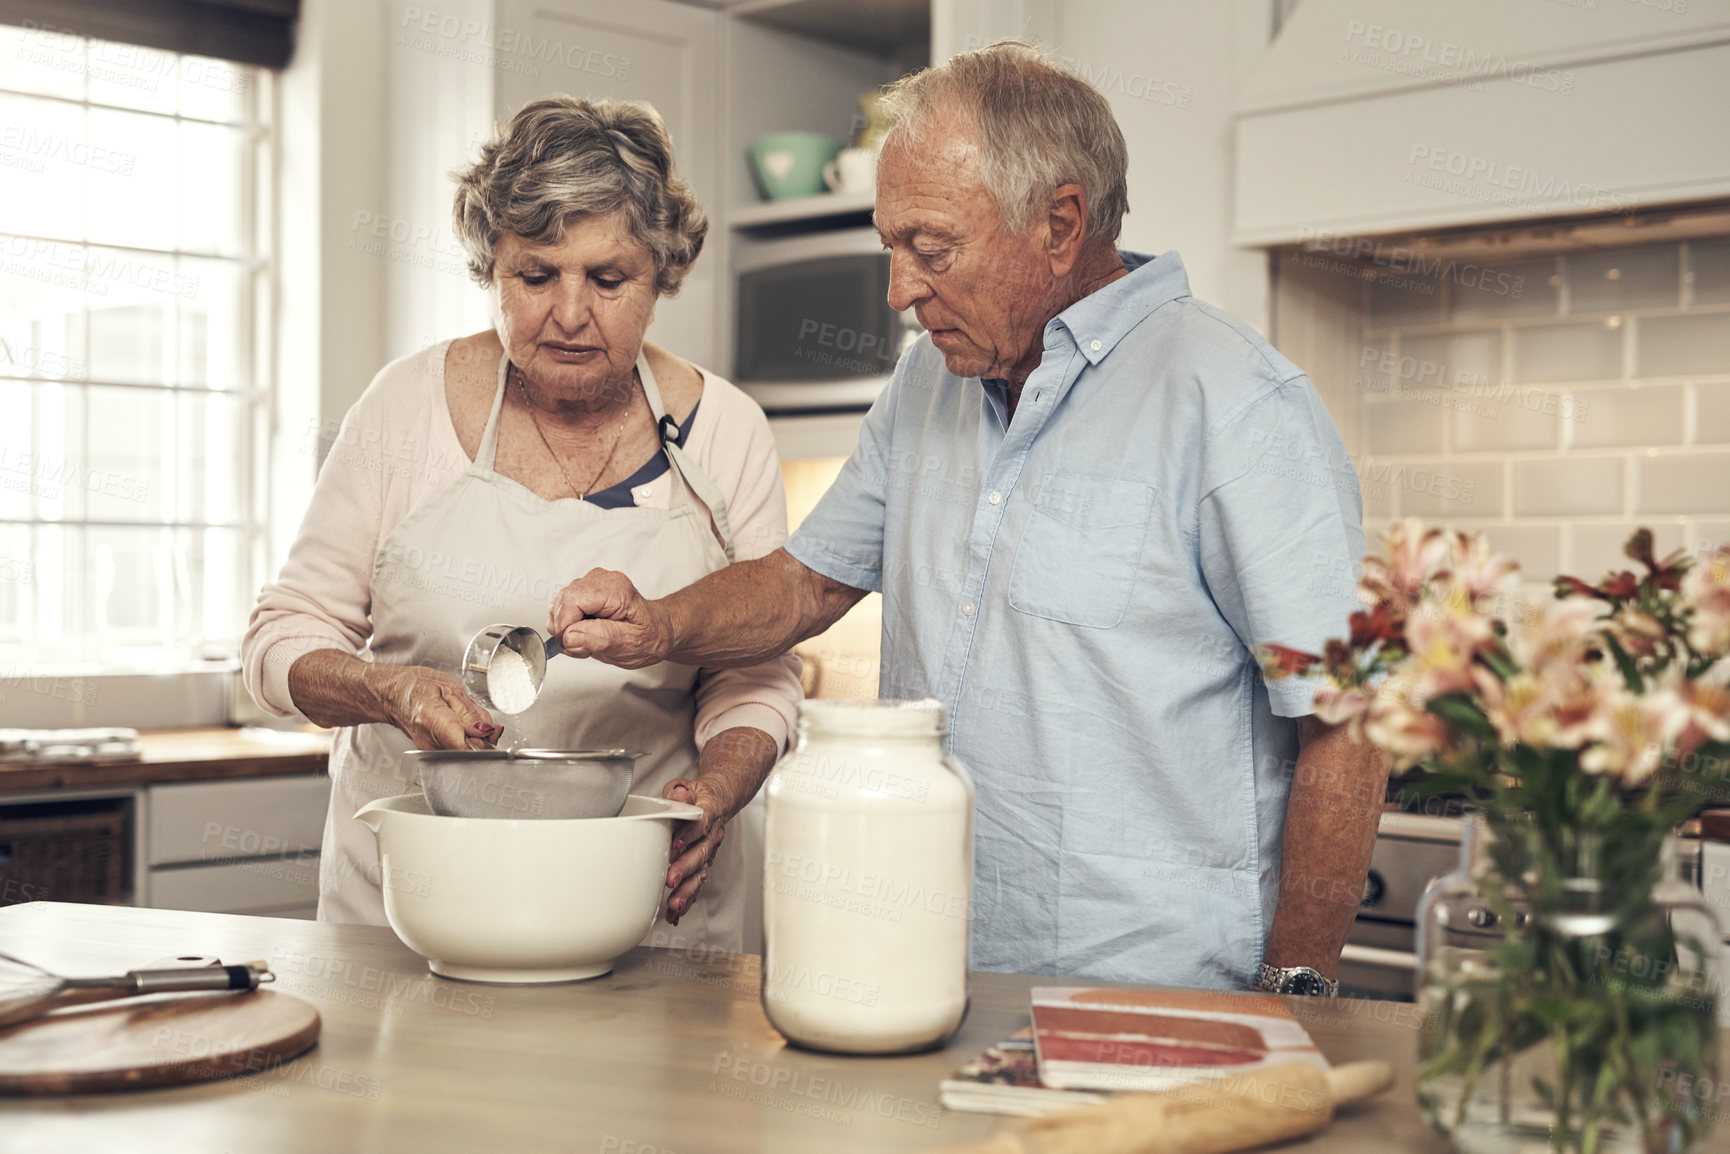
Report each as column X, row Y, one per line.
column 486, row 550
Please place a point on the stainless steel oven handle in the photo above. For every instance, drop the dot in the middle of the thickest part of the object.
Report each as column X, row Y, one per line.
column 1370, row 956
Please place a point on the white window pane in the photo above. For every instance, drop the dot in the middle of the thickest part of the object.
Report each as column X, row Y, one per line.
column 209, row 198
column 132, row 440
column 99, row 206
column 132, row 591
column 214, row 89
column 41, row 309
column 215, row 302
column 17, row 576
column 210, row 474
column 57, row 415
column 223, row 606
column 132, row 204
column 132, row 76
column 17, row 447
column 59, row 602
column 36, row 60
column 132, row 342
column 44, row 157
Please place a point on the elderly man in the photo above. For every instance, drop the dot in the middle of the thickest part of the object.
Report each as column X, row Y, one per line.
column 1086, row 498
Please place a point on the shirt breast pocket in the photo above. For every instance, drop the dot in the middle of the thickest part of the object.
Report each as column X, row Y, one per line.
column 1077, row 559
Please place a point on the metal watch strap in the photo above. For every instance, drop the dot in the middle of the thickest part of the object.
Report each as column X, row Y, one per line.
column 1275, row 979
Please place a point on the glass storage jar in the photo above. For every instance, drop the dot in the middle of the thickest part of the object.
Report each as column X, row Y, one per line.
column 868, row 872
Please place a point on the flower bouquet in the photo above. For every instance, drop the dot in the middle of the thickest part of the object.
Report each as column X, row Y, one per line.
column 1567, row 984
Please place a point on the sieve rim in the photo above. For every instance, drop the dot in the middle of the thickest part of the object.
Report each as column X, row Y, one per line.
column 523, row 754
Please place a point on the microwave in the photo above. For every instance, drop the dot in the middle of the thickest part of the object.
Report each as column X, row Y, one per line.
column 815, row 330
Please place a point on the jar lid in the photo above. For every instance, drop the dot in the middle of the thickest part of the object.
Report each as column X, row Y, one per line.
column 874, row 716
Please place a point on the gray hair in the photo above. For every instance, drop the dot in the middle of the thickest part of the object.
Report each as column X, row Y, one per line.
column 1039, row 125
column 561, row 158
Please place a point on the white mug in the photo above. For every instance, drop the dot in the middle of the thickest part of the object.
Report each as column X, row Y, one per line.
column 853, row 170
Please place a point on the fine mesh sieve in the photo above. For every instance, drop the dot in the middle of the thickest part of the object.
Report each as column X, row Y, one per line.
column 526, row 783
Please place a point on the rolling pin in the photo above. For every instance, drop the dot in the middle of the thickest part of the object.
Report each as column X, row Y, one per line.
column 1279, row 1102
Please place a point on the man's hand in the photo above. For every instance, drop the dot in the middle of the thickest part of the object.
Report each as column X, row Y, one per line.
column 601, row 615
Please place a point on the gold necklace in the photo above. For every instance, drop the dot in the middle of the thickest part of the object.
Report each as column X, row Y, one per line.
column 618, row 435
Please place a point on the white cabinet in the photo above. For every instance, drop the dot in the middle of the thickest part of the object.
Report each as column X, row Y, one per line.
column 247, row 846
column 650, row 50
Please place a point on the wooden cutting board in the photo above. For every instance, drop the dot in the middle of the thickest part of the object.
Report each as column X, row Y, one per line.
column 163, row 1041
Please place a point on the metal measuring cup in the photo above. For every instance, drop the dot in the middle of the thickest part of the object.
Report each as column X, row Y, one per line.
column 536, row 648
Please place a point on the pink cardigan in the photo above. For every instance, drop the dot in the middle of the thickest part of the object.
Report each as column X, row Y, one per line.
column 397, row 448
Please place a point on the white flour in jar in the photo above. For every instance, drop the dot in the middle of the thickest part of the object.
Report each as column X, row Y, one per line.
column 867, row 883
column 509, row 684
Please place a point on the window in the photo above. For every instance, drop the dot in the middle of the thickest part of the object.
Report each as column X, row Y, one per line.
column 133, row 351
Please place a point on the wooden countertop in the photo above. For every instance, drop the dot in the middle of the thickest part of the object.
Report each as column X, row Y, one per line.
column 173, row 755
column 670, row 1054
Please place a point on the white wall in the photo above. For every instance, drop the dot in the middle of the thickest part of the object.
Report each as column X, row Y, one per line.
column 330, row 300
column 1172, row 71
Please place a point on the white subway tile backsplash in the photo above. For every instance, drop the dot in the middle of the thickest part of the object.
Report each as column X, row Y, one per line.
column 1494, row 289
column 1685, row 483
column 1709, row 270
column 1569, row 485
column 1377, row 495
column 1409, row 426
column 1508, row 419
column 1403, row 299
column 1582, row 351
column 1468, row 360
column 1672, row 346
column 1711, row 414
column 1376, row 368
column 1708, row 536
column 1632, row 415
column 1538, row 548
column 1597, row 549
column 1444, row 490
column 1649, row 276
column 1527, row 399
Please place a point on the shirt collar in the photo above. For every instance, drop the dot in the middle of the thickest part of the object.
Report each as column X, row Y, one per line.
column 1099, row 320
column 1096, row 322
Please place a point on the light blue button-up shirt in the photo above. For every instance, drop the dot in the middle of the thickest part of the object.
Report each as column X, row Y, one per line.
column 1081, row 587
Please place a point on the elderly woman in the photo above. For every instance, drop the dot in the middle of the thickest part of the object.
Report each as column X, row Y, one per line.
column 474, row 479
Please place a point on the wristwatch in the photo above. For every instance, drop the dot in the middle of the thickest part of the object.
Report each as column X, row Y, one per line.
column 1295, row 980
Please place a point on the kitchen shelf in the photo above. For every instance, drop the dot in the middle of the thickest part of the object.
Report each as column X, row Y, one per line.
column 824, row 205
column 875, row 25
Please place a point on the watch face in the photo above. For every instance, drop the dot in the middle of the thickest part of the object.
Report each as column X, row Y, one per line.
column 1307, row 984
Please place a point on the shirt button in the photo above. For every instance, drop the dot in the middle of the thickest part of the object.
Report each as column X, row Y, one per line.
column 1095, row 346
column 967, row 609
column 996, row 498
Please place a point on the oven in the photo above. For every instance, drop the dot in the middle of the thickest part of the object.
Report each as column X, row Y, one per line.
column 814, row 330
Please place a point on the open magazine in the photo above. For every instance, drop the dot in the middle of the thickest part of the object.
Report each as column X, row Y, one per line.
column 1090, row 1039
column 1084, row 1044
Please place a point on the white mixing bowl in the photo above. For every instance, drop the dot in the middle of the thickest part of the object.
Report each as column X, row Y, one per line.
column 520, row 901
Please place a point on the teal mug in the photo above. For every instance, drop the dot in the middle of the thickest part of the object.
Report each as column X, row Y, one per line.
column 791, row 164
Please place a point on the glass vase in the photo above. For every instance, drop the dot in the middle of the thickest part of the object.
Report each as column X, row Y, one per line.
column 1567, row 996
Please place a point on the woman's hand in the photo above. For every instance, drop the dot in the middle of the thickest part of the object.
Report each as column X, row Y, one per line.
column 729, row 773
column 430, row 707
column 333, row 688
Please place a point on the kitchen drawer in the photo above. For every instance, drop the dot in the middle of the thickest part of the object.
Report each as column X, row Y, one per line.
column 256, row 817
column 253, row 887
